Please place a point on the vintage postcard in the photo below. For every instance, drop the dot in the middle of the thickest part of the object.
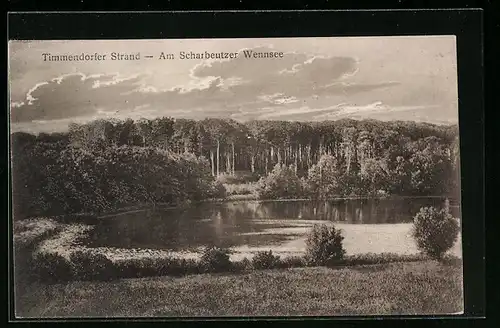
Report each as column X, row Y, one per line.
column 236, row 177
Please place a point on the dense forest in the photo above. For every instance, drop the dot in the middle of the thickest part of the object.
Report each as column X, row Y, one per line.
column 106, row 164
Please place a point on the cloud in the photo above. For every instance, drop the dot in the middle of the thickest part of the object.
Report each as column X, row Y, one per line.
column 29, row 96
column 296, row 74
column 363, row 111
column 72, row 95
column 238, row 88
column 17, row 104
column 352, row 88
column 286, row 113
column 323, row 69
column 248, row 69
column 338, row 111
column 278, row 98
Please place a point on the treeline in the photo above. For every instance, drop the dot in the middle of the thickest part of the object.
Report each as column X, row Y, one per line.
column 52, row 177
column 108, row 163
column 258, row 146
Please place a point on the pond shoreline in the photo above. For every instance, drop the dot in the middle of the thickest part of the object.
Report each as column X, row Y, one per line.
column 142, row 244
column 232, row 198
column 246, row 228
column 67, row 239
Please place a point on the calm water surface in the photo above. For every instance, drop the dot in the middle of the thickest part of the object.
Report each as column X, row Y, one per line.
column 250, row 223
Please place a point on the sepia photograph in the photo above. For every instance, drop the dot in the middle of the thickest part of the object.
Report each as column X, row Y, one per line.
column 312, row 176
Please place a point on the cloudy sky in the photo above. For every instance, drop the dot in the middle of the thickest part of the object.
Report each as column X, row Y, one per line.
column 385, row 78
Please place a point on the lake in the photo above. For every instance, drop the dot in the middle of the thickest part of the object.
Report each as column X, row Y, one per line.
column 369, row 225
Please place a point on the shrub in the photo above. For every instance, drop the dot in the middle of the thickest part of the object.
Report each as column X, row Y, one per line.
column 179, row 267
column 382, row 258
column 435, row 231
column 282, row 182
column 150, row 267
column 241, row 266
column 51, row 267
column 323, row 179
column 215, row 259
column 64, row 180
column 27, row 236
column 324, row 245
column 241, row 189
column 91, row 266
column 265, row 260
column 292, row 262
column 217, row 190
column 238, row 178
column 140, row 267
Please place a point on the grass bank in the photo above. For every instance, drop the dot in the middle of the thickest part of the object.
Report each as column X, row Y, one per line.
column 426, row 287
column 65, row 240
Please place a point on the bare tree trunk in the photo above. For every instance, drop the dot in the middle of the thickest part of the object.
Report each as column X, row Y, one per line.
column 233, row 157
column 320, row 189
column 296, row 163
column 309, row 156
column 300, row 156
column 218, row 157
column 253, row 163
column 348, row 158
column 267, row 160
column 212, row 162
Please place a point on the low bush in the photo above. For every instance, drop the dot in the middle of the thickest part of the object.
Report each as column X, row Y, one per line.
column 265, row 260
column 451, row 260
column 180, row 267
column 242, row 266
column 215, row 259
column 241, row 189
column 372, row 258
column 324, row 245
column 29, row 233
column 292, row 262
column 141, row 267
column 435, row 231
column 91, row 266
column 238, row 178
column 150, row 267
column 217, row 190
column 138, row 268
column 281, row 183
column 27, row 236
column 51, row 267
column 85, row 265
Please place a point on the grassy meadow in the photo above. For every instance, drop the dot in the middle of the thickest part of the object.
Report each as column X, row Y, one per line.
column 426, row 287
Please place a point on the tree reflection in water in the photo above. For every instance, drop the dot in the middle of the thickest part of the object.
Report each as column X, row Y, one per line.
column 250, row 223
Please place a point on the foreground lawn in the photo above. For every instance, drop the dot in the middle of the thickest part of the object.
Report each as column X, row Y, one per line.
column 425, row 287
